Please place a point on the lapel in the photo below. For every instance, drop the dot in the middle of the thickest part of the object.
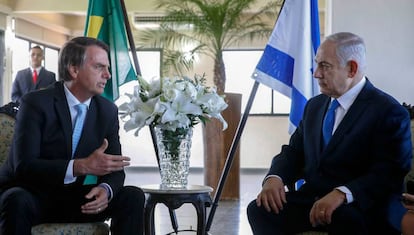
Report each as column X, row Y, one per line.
column 63, row 114
column 39, row 78
column 317, row 149
column 320, row 117
column 89, row 126
column 352, row 116
column 28, row 76
column 40, row 75
column 89, row 129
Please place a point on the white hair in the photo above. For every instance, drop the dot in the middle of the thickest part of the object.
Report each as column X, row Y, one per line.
column 349, row 47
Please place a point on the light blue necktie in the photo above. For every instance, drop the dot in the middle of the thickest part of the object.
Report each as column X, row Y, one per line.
column 329, row 122
column 77, row 131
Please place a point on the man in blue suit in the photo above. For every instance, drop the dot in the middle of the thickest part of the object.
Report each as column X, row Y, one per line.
column 350, row 180
column 44, row 178
column 27, row 81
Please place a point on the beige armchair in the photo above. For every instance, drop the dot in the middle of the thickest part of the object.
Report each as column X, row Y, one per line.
column 97, row 228
column 7, row 120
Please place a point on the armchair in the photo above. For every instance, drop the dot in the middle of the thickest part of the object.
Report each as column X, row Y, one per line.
column 7, row 119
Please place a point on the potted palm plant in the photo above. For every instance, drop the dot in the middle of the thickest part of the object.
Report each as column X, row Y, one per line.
column 211, row 26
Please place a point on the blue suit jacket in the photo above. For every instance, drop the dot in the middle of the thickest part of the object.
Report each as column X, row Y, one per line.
column 23, row 83
column 43, row 140
column 370, row 151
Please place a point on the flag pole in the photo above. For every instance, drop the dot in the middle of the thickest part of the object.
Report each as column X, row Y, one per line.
column 231, row 154
column 130, row 38
column 136, row 64
column 138, row 72
column 232, row 151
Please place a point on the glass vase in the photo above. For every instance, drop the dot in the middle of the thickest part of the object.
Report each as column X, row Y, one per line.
column 174, row 150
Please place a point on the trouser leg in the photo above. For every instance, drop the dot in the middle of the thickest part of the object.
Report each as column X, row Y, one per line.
column 127, row 210
column 19, row 210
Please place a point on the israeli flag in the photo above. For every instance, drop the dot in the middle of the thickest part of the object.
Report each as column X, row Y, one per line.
column 288, row 59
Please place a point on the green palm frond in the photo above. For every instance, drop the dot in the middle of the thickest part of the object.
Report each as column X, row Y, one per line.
column 210, row 26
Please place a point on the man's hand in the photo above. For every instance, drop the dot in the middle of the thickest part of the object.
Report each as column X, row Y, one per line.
column 321, row 212
column 272, row 195
column 100, row 163
column 408, row 201
column 98, row 201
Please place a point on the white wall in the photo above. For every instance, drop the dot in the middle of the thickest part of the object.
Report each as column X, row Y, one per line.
column 388, row 29
column 261, row 140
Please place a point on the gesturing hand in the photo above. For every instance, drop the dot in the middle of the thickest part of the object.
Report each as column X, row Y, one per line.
column 100, row 163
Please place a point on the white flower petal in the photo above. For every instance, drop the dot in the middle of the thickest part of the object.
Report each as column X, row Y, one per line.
column 171, row 103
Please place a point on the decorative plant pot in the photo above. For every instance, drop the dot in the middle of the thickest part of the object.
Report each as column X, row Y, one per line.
column 174, row 149
column 217, row 145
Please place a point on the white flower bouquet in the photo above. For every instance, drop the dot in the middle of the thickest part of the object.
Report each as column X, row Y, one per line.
column 171, row 104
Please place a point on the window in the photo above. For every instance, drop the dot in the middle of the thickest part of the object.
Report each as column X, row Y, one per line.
column 140, row 148
column 149, row 62
column 51, row 60
column 20, row 55
column 240, row 65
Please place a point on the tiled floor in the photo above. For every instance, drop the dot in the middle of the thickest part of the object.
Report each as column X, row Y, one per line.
column 230, row 216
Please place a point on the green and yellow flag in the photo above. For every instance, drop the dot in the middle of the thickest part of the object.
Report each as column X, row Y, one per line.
column 105, row 22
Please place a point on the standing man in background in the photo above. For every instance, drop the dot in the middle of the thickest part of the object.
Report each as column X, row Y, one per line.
column 33, row 78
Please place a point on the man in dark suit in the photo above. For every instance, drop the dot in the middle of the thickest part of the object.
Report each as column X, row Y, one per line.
column 42, row 180
column 26, row 80
column 352, row 178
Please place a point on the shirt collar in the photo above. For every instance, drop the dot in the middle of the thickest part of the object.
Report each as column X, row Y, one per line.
column 37, row 69
column 72, row 100
column 348, row 98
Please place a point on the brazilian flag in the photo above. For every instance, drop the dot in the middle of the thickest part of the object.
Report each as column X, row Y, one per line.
column 105, row 21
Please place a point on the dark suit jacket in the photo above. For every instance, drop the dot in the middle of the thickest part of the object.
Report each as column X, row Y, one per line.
column 23, row 83
column 370, row 151
column 43, row 138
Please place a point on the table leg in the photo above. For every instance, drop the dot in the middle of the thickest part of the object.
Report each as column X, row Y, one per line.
column 173, row 218
column 201, row 217
column 149, row 214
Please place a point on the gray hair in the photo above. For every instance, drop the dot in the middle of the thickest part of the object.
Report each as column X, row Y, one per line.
column 349, row 47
